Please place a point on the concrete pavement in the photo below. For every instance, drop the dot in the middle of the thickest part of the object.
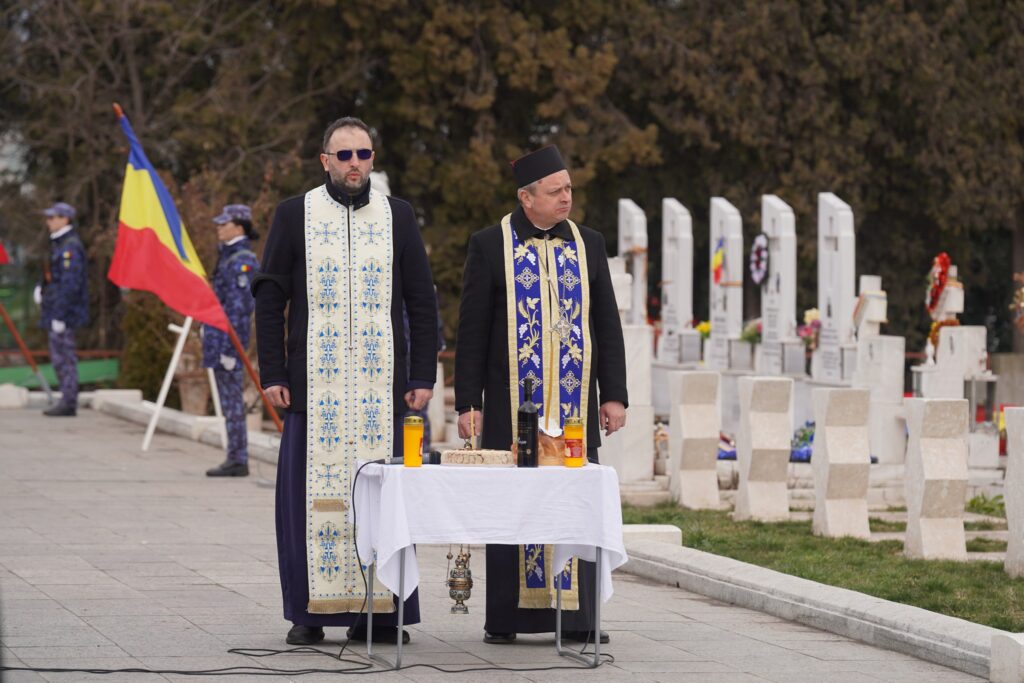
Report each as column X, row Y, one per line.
column 110, row 558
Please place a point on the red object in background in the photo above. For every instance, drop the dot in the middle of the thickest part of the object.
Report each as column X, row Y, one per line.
column 4, row 259
column 1002, row 427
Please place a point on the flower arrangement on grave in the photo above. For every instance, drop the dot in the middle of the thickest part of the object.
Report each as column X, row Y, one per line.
column 938, row 276
column 803, row 443
column 811, row 329
column 1017, row 305
column 759, row 259
column 751, row 332
column 937, row 325
column 704, row 328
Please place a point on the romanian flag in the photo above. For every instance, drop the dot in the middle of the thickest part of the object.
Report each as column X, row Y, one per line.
column 718, row 260
column 3, row 255
column 153, row 251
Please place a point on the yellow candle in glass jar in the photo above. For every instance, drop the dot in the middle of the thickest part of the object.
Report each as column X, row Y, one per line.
column 575, row 455
column 412, row 441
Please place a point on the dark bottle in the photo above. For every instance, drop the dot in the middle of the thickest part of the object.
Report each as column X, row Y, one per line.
column 526, row 438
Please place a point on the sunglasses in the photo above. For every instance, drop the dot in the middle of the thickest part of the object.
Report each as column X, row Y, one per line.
column 346, row 154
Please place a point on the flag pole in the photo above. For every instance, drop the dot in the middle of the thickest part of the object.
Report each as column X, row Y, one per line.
column 168, row 376
column 26, row 354
column 255, row 378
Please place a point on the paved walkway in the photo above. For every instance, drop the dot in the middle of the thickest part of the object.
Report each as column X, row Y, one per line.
column 113, row 559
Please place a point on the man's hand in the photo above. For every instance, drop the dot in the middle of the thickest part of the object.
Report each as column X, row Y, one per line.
column 464, row 423
column 227, row 362
column 612, row 417
column 417, row 399
column 280, row 397
column 58, row 326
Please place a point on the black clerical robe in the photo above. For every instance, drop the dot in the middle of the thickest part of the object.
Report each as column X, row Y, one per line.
column 281, row 285
column 482, row 381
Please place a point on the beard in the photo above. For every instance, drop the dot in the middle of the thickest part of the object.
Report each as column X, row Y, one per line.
column 341, row 180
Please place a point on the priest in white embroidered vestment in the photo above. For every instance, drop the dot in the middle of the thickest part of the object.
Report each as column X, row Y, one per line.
column 343, row 259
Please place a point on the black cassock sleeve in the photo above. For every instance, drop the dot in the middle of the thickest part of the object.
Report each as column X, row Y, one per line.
column 419, row 297
column 611, row 351
column 476, row 311
column 271, row 289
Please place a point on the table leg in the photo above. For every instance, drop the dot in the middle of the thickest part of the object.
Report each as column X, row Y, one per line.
column 401, row 606
column 596, row 661
column 397, row 664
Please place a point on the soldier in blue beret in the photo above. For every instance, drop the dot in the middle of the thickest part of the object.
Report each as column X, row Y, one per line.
column 236, row 266
column 63, row 296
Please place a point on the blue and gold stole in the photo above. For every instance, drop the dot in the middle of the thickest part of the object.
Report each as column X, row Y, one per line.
column 548, row 308
column 349, row 373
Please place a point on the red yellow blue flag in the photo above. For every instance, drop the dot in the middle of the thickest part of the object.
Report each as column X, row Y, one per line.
column 153, row 251
column 718, row 261
column 3, row 255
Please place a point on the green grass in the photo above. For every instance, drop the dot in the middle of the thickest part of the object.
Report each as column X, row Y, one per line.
column 981, row 504
column 985, row 545
column 984, row 525
column 977, row 591
column 878, row 525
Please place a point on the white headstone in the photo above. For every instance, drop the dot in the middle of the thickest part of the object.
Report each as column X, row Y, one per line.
column 693, row 439
column 935, row 479
column 622, row 285
column 836, row 294
column 1013, row 488
column 778, row 294
column 841, row 461
column 633, row 247
column 763, row 448
column 679, row 342
column 726, row 295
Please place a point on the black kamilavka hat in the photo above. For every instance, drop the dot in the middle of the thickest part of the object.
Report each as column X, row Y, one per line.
column 532, row 167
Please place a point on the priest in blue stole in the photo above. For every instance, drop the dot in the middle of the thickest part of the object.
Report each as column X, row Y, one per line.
column 343, row 260
column 537, row 302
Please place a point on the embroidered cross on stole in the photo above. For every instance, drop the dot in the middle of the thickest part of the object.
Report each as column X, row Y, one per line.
column 548, row 311
column 349, row 373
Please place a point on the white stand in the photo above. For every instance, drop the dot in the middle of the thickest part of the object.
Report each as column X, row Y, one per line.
column 763, row 448
column 179, row 346
column 1014, row 489
column 841, row 463
column 778, row 293
column 693, row 439
column 936, row 479
column 834, row 361
column 723, row 349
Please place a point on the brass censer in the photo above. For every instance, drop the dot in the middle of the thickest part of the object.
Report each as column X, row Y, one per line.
column 460, row 580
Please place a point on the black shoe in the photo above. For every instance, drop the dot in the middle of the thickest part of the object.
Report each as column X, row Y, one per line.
column 499, row 638
column 304, row 635
column 61, row 411
column 381, row 634
column 581, row 636
column 229, row 468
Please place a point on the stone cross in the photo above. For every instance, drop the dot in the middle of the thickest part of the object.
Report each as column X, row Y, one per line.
column 778, row 293
column 693, row 439
column 1013, row 487
column 841, row 461
column 677, row 285
column 836, row 281
column 935, row 479
column 726, row 295
column 633, row 247
column 763, row 447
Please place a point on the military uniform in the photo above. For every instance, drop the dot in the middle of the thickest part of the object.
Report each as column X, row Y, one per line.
column 236, row 266
column 64, row 305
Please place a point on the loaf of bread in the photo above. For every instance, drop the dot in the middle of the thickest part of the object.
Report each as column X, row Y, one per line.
column 478, row 457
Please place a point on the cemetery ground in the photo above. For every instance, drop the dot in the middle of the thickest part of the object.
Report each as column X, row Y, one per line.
column 110, row 559
column 978, row 590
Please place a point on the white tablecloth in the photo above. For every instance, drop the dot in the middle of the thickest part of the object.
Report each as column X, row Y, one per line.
column 576, row 510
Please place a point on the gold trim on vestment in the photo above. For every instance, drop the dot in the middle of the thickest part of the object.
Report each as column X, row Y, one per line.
column 380, row 605
column 323, row 505
column 546, row 598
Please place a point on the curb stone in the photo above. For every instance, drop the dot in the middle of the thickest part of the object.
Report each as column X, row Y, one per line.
column 934, row 637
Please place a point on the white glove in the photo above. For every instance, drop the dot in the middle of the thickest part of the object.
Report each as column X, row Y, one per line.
column 37, row 295
column 58, row 326
column 227, row 362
